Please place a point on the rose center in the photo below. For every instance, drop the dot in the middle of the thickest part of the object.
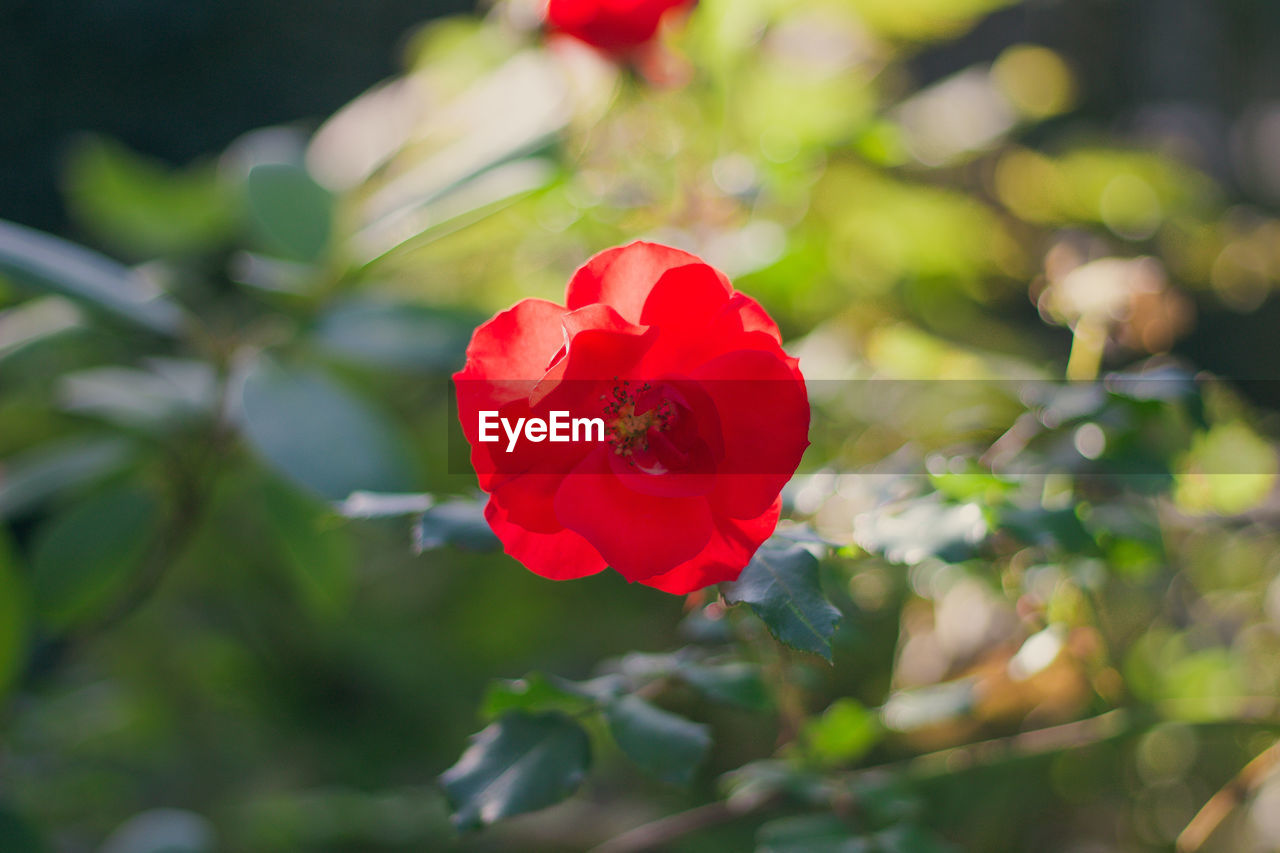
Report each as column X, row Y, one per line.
column 627, row 424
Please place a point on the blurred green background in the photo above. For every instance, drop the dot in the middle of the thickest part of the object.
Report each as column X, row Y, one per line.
column 268, row 277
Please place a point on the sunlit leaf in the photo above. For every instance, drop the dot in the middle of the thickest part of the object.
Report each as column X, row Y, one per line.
column 663, row 744
column 522, row 763
column 781, row 586
column 319, row 434
column 292, row 211
column 87, row 554
column 845, row 732
column 1228, row 470
column 40, row 261
column 927, row 527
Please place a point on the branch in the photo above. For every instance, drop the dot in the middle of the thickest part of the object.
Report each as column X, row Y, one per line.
column 1224, row 802
column 651, row 836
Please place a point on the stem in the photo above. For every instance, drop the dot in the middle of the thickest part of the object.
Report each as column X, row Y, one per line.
column 1087, row 347
column 1223, row 803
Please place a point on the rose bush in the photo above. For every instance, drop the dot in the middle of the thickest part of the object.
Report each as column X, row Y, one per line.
column 706, row 418
column 617, row 27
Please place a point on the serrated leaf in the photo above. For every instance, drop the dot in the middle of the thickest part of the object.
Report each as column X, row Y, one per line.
column 535, row 693
column 782, row 587
column 47, row 263
column 292, row 211
column 735, row 683
column 319, row 434
column 395, row 335
column 522, row 763
column 663, row 744
column 88, row 553
column 922, row 528
column 460, row 523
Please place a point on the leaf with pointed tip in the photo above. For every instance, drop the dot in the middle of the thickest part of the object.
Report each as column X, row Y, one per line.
column 663, row 744
column 522, row 763
column 38, row 260
column 781, row 586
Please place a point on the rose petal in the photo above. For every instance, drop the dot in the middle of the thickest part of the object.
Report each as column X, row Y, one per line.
column 725, row 555
column 623, row 277
column 638, row 535
column 764, row 410
column 559, row 556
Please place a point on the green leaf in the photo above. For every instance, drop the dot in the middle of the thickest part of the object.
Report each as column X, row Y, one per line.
column 144, row 207
column 661, row 743
column 47, row 263
column 292, row 211
column 320, row 435
column 910, row 838
column 845, row 732
column 18, row 835
column 85, row 555
column 922, row 528
column 319, row 555
column 165, row 395
column 460, row 523
column 522, row 763
column 1037, row 525
column 809, row 834
column 37, row 475
column 535, row 693
column 781, row 586
column 734, row 683
column 396, row 335
column 14, row 607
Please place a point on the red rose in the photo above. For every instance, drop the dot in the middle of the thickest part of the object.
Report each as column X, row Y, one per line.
column 617, row 27
column 699, row 420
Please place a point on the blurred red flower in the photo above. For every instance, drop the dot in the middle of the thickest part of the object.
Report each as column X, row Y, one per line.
column 617, row 27
column 702, row 418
